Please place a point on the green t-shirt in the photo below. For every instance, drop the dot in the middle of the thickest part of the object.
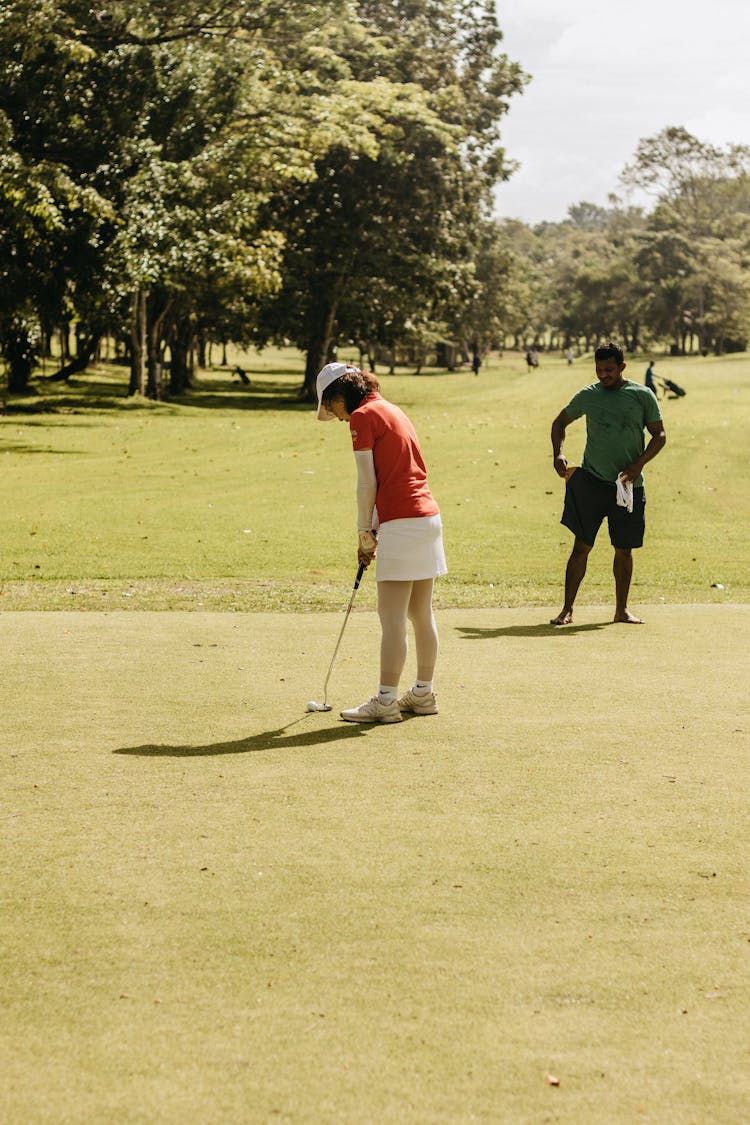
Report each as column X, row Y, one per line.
column 615, row 421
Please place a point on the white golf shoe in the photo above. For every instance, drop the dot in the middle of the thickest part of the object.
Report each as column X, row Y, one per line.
column 373, row 712
column 419, row 704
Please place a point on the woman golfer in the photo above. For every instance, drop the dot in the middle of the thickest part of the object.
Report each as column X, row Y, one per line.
column 398, row 522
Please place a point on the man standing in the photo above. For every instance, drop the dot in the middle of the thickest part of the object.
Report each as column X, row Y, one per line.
column 617, row 412
column 650, row 379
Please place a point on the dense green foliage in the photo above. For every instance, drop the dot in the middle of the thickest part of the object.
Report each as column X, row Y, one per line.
column 172, row 172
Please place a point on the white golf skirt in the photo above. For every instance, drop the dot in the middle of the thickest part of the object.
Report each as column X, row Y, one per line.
column 410, row 550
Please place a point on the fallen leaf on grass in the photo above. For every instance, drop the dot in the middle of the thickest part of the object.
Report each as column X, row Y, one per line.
column 552, row 1080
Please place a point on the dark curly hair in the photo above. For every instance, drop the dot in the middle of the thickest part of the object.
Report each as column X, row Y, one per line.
column 353, row 387
column 610, row 350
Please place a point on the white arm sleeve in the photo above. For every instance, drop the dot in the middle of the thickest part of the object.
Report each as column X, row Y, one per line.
column 367, row 488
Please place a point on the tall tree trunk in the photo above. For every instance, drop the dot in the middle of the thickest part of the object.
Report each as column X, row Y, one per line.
column 179, row 347
column 319, row 348
column 155, row 362
column 18, row 351
column 46, row 342
column 154, row 371
column 139, row 347
column 85, row 348
column 64, row 342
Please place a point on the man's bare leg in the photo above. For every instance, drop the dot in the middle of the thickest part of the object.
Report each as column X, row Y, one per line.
column 574, row 572
column 622, row 568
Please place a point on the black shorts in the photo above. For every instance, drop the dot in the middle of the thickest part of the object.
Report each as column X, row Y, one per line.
column 588, row 500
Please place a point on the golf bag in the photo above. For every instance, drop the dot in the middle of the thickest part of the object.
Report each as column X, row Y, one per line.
column 673, row 388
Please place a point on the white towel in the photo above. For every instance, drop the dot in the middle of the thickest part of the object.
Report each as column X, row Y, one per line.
column 624, row 493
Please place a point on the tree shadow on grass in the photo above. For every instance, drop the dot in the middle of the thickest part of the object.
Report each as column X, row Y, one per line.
column 243, row 400
column 20, row 448
column 471, row 633
column 274, row 389
column 254, row 743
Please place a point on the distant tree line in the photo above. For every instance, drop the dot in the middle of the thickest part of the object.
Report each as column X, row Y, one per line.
column 177, row 173
column 677, row 274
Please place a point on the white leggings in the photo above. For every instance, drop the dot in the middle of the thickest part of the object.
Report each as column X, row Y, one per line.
column 397, row 602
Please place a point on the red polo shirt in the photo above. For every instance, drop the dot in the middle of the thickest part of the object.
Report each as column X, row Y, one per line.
column 403, row 492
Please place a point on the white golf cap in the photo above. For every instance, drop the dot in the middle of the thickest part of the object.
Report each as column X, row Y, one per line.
column 327, row 375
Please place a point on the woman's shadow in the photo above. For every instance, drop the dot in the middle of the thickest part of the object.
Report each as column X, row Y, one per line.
column 254, row 743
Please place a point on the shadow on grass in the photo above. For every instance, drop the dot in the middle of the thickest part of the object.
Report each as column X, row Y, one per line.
column 13, row 447
column 541, row 630
column 253, row 744
column 104, row 388
column 268, row 399
column 93, row 396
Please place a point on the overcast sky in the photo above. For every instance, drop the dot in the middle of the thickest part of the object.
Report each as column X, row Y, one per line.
column 607, row 73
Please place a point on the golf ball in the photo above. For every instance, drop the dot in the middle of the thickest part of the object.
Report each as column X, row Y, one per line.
column 312, row 705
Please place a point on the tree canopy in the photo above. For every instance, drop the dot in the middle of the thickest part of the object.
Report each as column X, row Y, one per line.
column 250, row 171
column 174, row 173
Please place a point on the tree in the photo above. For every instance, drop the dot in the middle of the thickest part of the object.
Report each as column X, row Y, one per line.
column 506, row 295
column 162, row 127
column 699, row 237
column 688, row 178
column 379, row 244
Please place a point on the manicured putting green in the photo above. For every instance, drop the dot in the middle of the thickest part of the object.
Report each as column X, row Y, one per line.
column 532, row 907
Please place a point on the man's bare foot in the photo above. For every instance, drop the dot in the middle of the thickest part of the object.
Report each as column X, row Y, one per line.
column 628, row 618
column 564, row 617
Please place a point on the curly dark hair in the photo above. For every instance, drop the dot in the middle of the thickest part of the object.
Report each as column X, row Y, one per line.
column 610, row 350
column 353, row 387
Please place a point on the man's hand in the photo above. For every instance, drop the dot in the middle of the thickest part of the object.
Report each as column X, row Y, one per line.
column 367, row 543
column 560, row 462
column 632, row 472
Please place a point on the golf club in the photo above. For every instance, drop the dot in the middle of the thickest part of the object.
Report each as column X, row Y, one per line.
column 325, row 705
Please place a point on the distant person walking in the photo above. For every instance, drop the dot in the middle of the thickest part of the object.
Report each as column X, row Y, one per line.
column 610, row 481
column 476, row 363
column 651, row 378
column 570, row 356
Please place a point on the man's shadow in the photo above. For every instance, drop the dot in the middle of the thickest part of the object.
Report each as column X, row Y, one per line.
column 471, row 633
column 254, row 743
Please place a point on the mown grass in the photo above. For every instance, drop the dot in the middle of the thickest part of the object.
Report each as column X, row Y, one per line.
column 218, row 908
column 532, row 907
column 235, row 498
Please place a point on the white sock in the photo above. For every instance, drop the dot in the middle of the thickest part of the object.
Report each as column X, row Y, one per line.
column 387, row 694
column 422, row 687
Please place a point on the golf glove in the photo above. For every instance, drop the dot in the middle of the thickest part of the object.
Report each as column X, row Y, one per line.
column 367, row 542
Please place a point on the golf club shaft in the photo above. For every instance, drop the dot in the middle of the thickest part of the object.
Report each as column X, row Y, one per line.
column 357, row 581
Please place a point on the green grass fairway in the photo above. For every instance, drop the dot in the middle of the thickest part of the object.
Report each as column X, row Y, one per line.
column 217, row 908
column 236, row 498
